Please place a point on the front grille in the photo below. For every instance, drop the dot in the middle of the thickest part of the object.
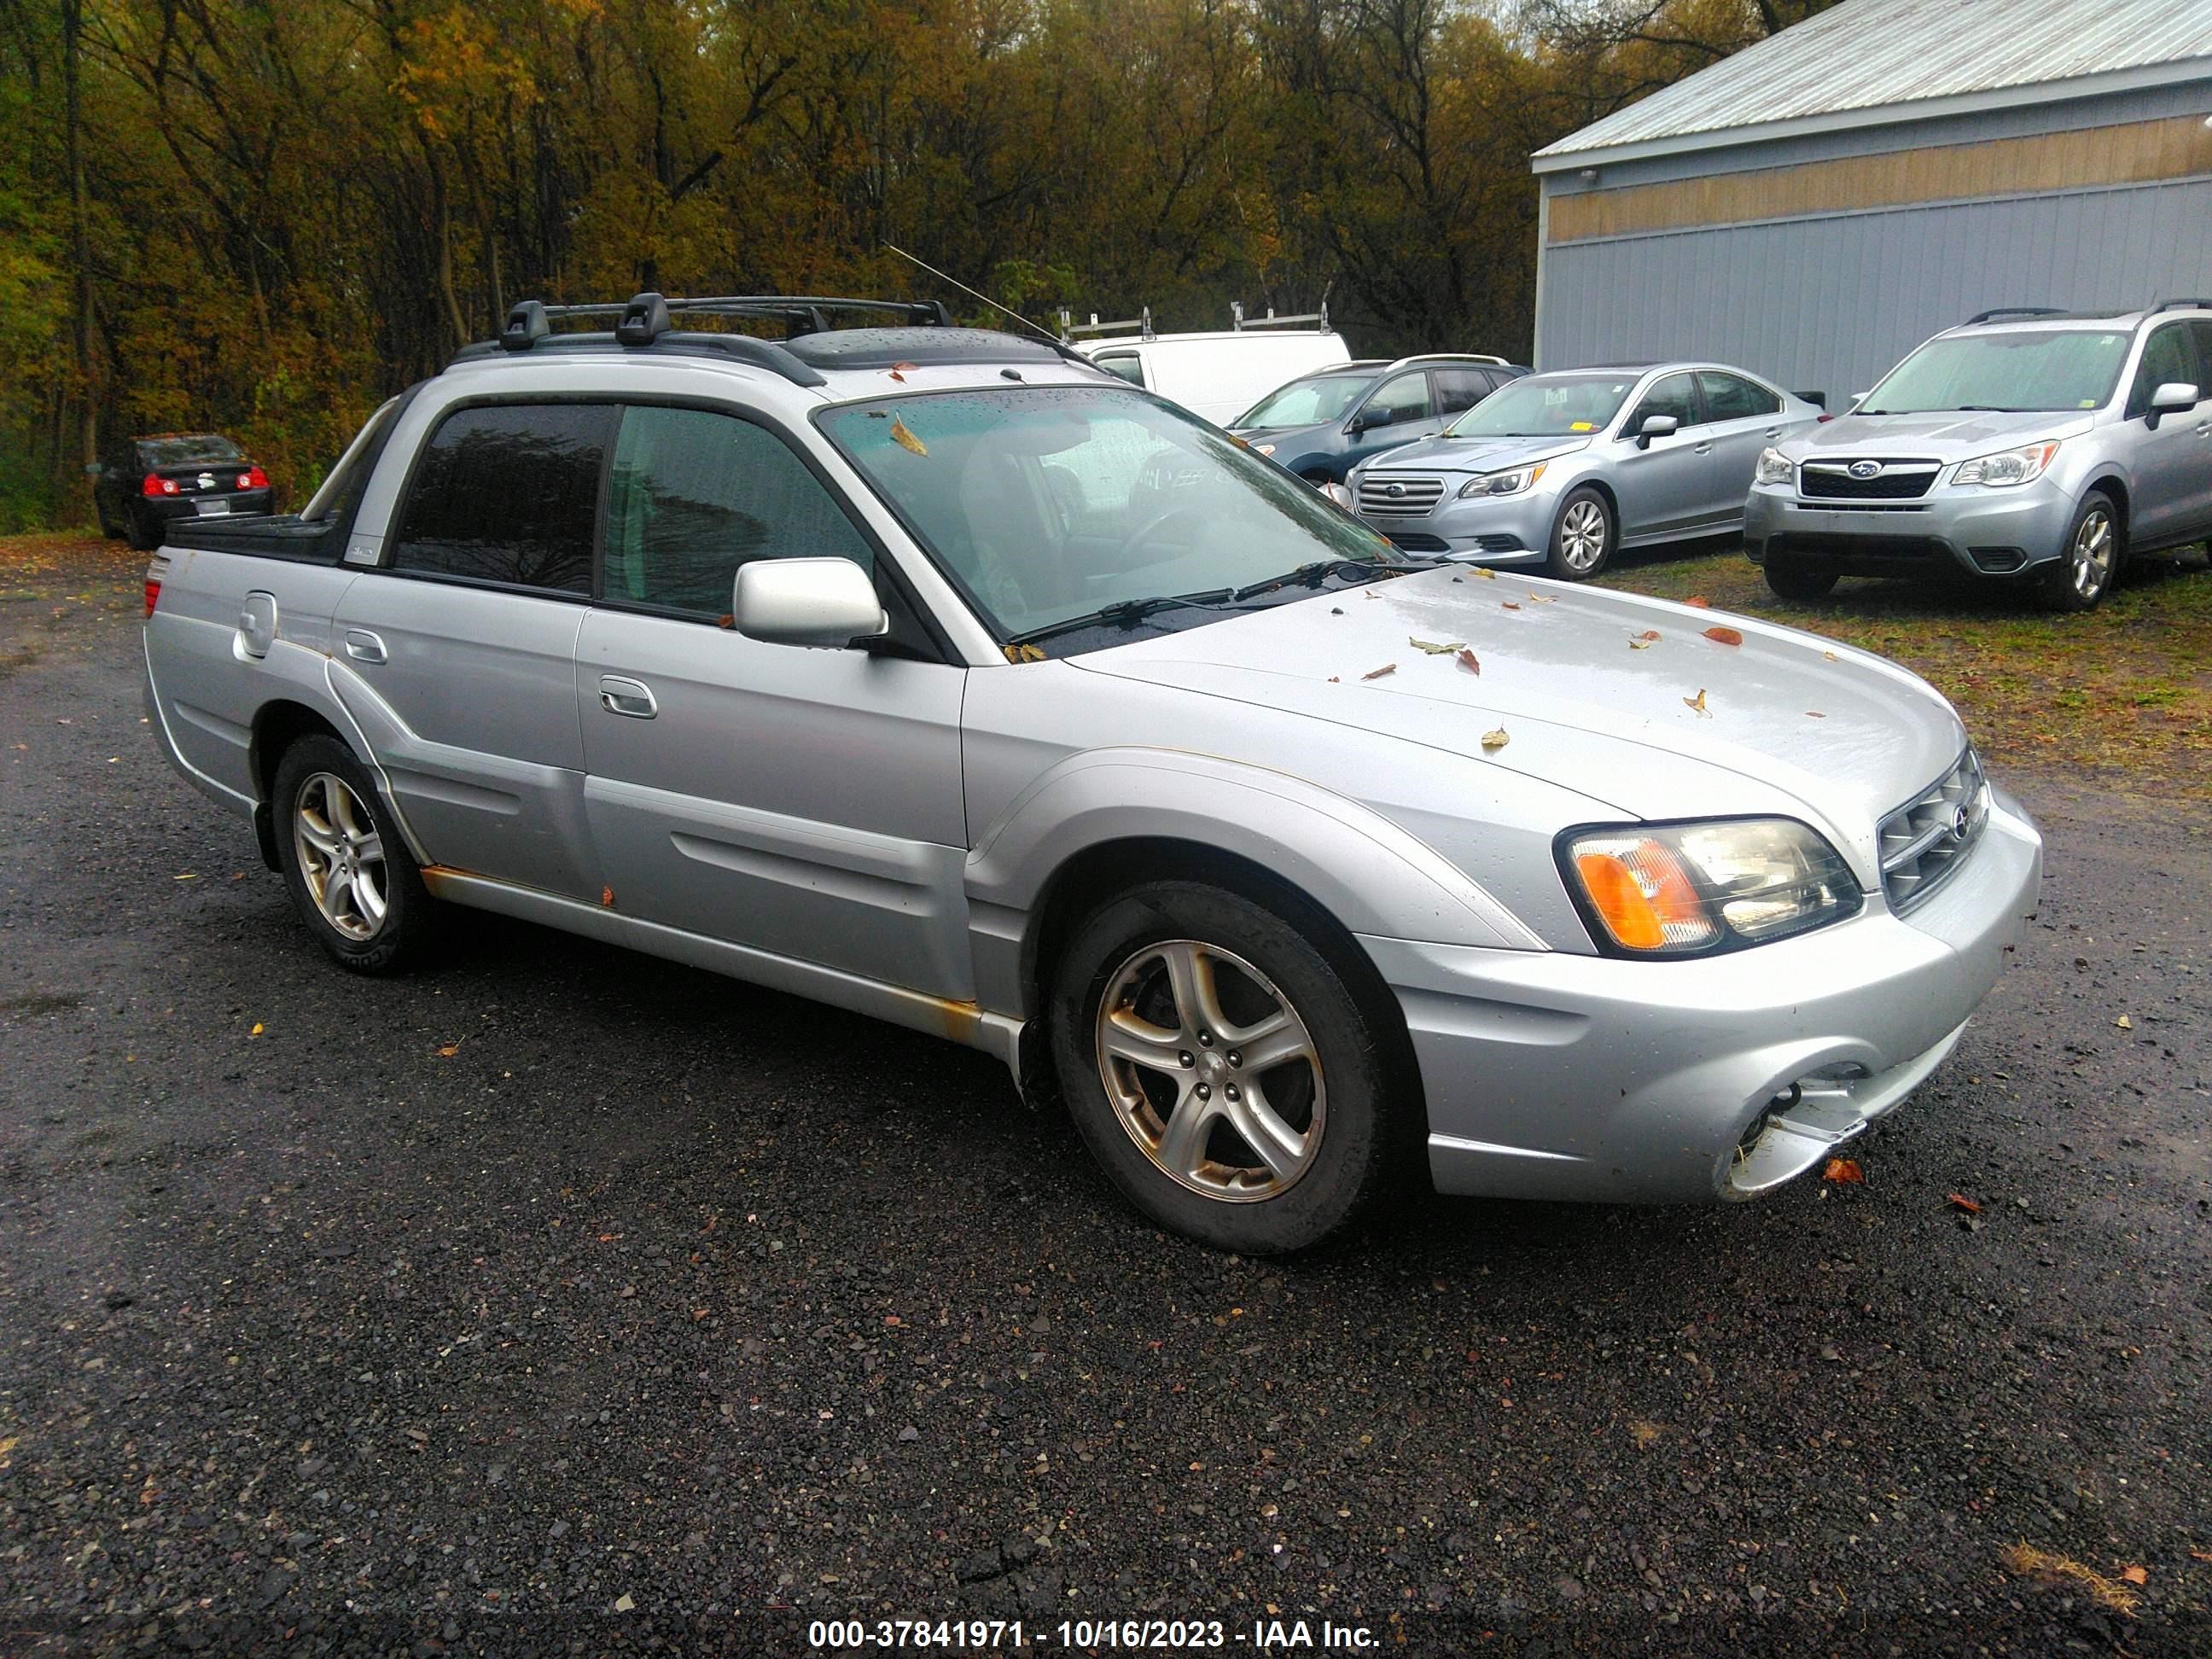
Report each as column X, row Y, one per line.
column 1415, row 541
column 1414, row 497
column 1855, row 507
column 1897, row 481
column 1859, row 550
column 1924, row 843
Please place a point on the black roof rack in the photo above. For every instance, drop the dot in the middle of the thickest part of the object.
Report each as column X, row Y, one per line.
column 2011, row 311
column 2178, row 305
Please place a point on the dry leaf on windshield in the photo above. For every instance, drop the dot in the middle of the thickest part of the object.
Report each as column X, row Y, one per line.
column 1485, row 573
column 1024, row 653
column 1434, row 649
column 1469, row 661
column 1495, row 740
column 1698, row 602
column 1377, row 673
column 902, row 435
column 1536, row 597
column 1960, row 1201
column 1698, row 704
column 1845, row 1170
column 1720, row 635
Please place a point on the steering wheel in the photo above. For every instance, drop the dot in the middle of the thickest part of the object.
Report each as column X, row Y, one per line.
column 1145, row 532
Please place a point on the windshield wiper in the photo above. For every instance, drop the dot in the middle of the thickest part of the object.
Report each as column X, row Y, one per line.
column 1312, row 574
column 1128, row 612
column 1991, row 408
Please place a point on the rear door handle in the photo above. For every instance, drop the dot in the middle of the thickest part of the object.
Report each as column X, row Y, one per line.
column 1774, row 432
column 364, row 646
column 1704, row 449
column 627, row 697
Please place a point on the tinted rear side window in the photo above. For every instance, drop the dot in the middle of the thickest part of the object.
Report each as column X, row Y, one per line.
column 1732, row 398
column 1461, row 388
column 509, row 494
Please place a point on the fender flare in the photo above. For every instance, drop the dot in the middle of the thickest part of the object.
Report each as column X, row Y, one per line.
column 1371, row 875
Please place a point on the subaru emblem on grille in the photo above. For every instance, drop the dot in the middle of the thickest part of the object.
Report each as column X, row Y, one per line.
column 1865, row 469
column 1962, row 823
column 1394, row 491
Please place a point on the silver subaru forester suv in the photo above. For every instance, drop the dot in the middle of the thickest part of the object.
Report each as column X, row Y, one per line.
column 2027, row 444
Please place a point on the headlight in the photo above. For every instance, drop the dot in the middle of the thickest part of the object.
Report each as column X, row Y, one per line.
column 2007, row 466
column 1693, row 890
column 1510, row 482
column 1775, row 467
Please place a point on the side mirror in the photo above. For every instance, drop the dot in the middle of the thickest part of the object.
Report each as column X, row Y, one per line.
column 818, row 602
column 1818, row 399
column 1656, row 426
column 2172, row 397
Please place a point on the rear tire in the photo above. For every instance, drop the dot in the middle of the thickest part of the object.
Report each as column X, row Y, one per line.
column 2089, row 562
column 1584, row 535
column 349, row 872
column 141, row 535
column 1222, row 1071
column 108, row 528
column 1802, row 582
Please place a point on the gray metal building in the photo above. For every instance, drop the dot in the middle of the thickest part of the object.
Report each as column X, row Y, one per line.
column 1819, row 204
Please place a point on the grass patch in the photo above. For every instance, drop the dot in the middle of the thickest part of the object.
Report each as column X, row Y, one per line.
column 2120, row 698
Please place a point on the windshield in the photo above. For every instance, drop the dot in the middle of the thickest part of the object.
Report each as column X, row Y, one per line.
column 1049, row 503
column 1547, row 406
column 191, row 451
column 1307, row 403
column 2034, row 368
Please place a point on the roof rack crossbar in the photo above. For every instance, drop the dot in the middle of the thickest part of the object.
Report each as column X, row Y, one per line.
column 1069, row 328
column 2178, row 305
column 1996, row 312
column 1239, row 322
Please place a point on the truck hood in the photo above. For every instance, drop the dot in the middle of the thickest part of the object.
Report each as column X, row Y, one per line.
column 1845, row 734
column 1474, row 454
column 1946, row 435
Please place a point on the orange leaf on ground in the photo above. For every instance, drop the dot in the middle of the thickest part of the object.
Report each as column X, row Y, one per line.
column 1723, row 635
column 1467, row 660
column 2136, row 1575
column 1845, row 1169
column 1965, row 1203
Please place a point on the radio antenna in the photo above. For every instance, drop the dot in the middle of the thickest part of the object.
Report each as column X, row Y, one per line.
column 965, row 289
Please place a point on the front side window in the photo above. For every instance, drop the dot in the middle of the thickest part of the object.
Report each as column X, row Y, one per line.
column 509, row 494
column 2165, row 358
column 1049, row 503
column 1670, row 394
column 1307, row 403
column 2038, row 368
column 693, row 494
column 1547, row 406
column 1732, row 398
column 1396, row 402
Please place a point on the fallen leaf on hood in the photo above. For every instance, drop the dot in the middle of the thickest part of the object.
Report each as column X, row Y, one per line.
column 1023, row 653
column 1723, row 635
column 1831, row 656
column 1649, row 636
column 1485, row 573
column 902, row 435
column 1635, row 644
column 1509, row 605
column 1845, row 1170
column 1377, row 673
column 1492, row 740
column 1434, row 649
column 1698, row 602
column 1336, row 679
column 1542, row 598
column 1815, row 715
column 2125, row 1023
column 898, row 371
column 1469, row 661
column 1698, row 704
column 1961, row 1201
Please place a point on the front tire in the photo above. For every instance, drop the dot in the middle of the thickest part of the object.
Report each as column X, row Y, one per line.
column 1802, row 582
column 1222, row 1070
column 1584, row 535
column 348, row 873
column 2090, row 562
column 143, row 535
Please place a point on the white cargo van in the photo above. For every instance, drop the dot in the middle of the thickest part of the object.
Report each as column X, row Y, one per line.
column 1218, row 375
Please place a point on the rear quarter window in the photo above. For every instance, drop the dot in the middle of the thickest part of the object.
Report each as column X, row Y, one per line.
column 509, row 494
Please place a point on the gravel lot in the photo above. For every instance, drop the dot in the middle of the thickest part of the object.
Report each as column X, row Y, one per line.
column 558, row 1300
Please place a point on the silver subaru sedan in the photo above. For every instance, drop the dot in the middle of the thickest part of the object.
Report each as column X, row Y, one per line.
column 1560, row 471
column 929, row 674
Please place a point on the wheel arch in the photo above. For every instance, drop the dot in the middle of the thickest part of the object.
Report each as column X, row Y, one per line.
column 277, row 725
column 2115, row 487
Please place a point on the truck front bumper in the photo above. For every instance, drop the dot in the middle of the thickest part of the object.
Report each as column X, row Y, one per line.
column 1559, row 1076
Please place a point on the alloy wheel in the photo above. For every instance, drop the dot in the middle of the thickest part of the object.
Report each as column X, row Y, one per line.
column 1211, row 1071
column 1581, row 535
column 2090, row 560
column 341, row 855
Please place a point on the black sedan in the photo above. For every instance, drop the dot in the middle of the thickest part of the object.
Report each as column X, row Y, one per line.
column 144, row 483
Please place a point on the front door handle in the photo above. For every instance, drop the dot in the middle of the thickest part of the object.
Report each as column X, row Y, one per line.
column 1704, row 449
column 626, row 697
column 1773, row 432
column 364, row 646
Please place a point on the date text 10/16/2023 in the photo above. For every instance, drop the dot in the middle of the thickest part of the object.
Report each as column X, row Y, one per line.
column 1127, row 1635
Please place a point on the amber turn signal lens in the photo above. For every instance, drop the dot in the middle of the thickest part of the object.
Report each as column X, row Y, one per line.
column 1644, row 898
